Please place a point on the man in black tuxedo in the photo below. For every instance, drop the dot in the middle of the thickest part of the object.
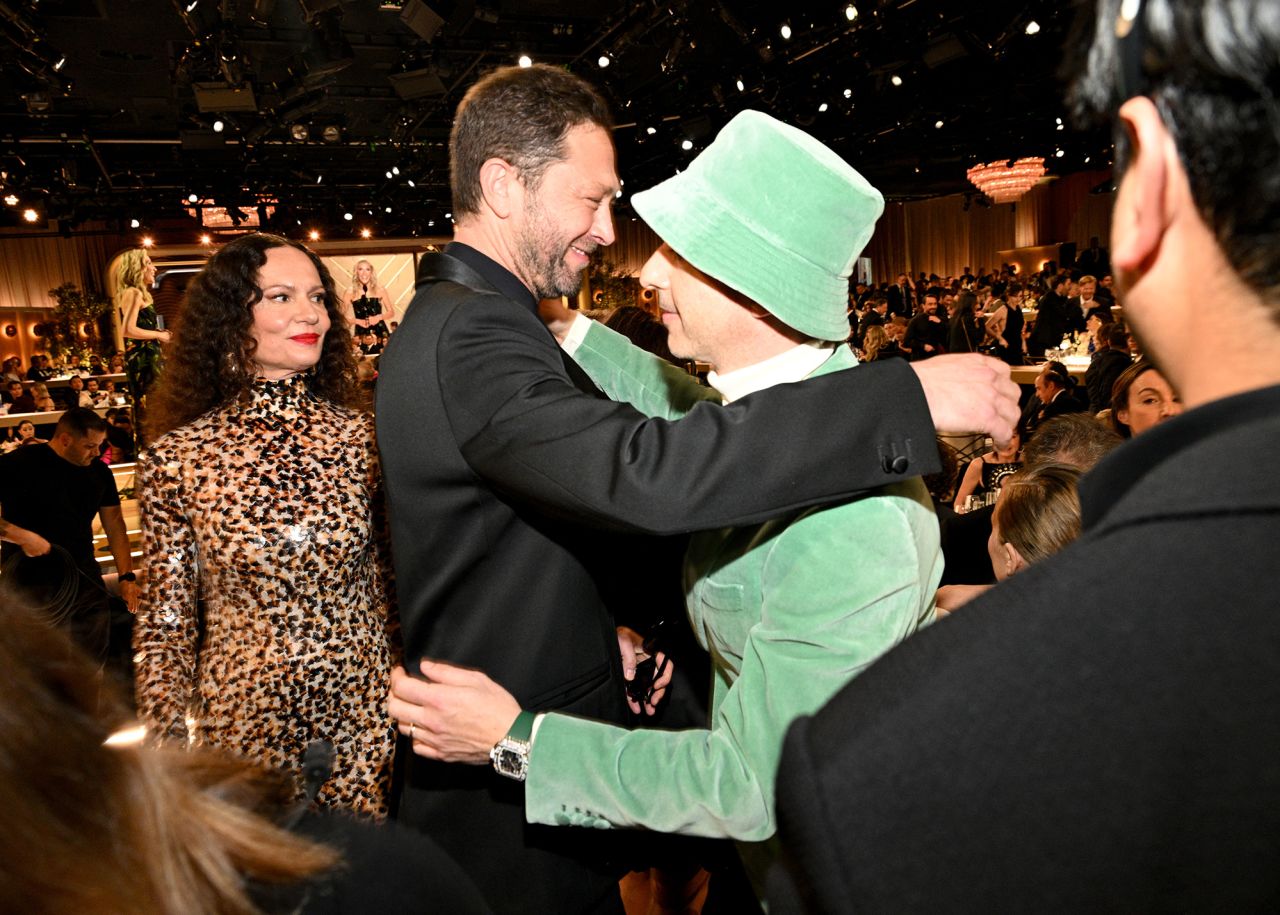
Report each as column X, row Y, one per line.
column 503, row 464
column 1084, row 306
column 875, row 315
column 1052, row 318
column 1099, row 732
column 901, row 298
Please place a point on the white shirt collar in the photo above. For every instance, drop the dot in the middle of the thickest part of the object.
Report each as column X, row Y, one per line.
column 789, row 365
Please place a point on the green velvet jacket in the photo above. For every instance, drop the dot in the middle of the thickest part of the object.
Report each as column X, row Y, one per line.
column 789, row 610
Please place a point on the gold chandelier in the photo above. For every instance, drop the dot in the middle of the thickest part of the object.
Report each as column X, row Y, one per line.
column 1006, row 181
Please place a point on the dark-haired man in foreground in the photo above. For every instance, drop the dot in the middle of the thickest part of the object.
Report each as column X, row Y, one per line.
column 1099, row 733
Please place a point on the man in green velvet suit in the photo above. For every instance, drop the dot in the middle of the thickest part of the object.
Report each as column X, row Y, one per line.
column 760, row 233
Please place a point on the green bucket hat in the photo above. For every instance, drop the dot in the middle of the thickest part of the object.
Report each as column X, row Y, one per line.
column 772, row 213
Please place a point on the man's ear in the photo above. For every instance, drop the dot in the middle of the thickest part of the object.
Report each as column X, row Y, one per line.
column 500, row 186
column 1140, row 215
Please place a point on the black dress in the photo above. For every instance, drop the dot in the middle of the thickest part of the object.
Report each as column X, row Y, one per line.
column 365, row 308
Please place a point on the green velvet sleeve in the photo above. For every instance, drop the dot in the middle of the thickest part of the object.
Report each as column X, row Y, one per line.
column 806, row 607
column 627, row 373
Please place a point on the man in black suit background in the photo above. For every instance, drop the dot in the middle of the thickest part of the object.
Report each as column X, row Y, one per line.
column 503, row 463
column 901, row 297
column 1099, row 732
column 1052, row 317
column 1084, row 306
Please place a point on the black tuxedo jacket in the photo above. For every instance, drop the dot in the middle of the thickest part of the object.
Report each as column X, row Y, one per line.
column 502, row 466
column 1077, row 318
column 1052, row 318
column 1098, row 733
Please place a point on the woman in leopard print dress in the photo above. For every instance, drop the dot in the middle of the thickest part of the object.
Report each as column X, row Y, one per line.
column 264, row 605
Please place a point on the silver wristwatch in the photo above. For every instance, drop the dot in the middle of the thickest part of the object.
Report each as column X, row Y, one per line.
column 510, row 756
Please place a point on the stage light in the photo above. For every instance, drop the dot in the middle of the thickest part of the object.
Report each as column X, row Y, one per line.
column 313, row 235
column 193, row 198
column 411, row 183
column 300, row 132
column 30, row 215
column 147, row 241
column 332, row 133
column 937, row 124
column 11, row 200
column 851, row 12
column 822, row 107
column 686, row 144
column 57, row 67
column 896, row 80
column 603, row 61
column 525, row 60
column 848, row 93
column 135, row 224
column 389, row 175
column 206, row 239
column 1033, row 27
column 785, row 31
column 395, row 169
column 1058, row 153
column 448, row 215
column 347, row 216
column 366, row 233
column 741, row 87
column 218, row 126
column 387, row 210
column 651, row 130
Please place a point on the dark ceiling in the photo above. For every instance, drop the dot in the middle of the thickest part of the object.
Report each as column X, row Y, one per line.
column 124, row 127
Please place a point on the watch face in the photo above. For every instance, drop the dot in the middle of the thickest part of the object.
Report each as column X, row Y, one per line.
column 509, row 761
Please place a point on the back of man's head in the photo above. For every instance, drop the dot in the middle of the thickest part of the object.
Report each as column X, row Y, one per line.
column 1211, row 68
column 520, row 115
column 1077, row 439
column 78, row 422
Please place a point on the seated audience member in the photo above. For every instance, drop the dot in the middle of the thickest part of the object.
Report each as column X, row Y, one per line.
column 985, row 474
column 39, row 370
column 878, row 345
column 1098, row 733
column 1055, row 389
column 122, row 444
column 12, row 391
column 42, row 399
column 1140, row 399
column 875, row 315
column 96, row 396
column 20, row 400
column 942, row 485
column 1076, row 439
column 1109, row 360
column 789, row 609
column 1036, row 515
column 96, row 366
column 117, row 364
column 24, row 434
column 76, row 395
column 11, row 370
column 111, row 825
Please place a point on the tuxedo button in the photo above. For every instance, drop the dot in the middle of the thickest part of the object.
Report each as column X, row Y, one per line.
column 897, row 464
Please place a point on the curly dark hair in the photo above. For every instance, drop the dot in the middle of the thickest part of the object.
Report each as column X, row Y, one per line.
column 211, row 359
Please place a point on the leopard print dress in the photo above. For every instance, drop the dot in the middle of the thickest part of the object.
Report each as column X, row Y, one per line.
column 264, row 601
